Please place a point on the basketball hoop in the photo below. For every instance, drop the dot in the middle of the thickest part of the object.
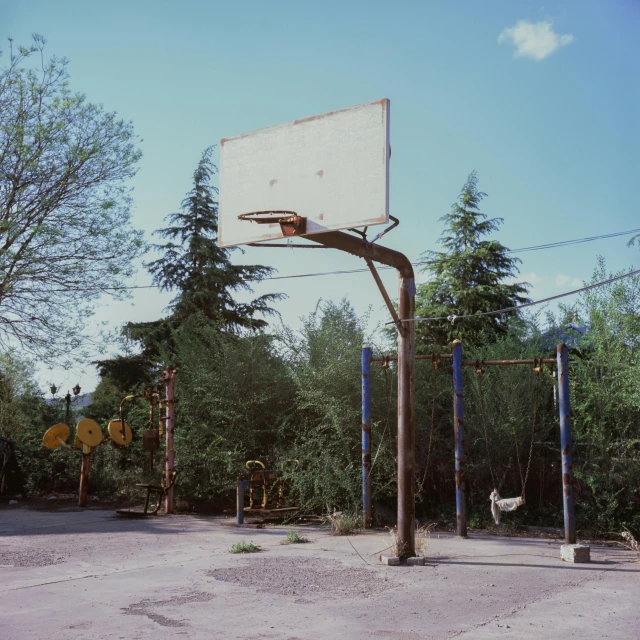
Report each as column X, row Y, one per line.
column 290, row 222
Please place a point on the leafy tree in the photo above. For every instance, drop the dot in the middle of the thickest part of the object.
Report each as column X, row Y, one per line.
column 468, row 277
column 65, row 234
column 605, row 402
column 324, row 358
column 233, row 401
column 201, row 273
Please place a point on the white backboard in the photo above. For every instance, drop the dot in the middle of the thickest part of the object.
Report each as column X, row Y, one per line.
column 332, row 169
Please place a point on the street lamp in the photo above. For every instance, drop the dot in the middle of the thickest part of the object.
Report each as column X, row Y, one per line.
column 67, row 399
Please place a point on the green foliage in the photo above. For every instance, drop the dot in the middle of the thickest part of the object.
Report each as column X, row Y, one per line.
column 64, row 205
column 467, row 278
column 245, row 547
column 324, row 360
column 605, row 404
column 345, row 524
column 234, row 399
column 293, row 537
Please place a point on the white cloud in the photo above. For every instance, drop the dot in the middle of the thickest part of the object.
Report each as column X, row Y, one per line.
column 531, row 277
column 535, row 40
column 562, row 280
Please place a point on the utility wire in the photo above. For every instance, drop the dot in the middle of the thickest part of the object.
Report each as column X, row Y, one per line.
column 421, row 263
column 453, row 318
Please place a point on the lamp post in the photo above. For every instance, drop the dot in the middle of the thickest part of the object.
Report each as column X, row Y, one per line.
column 84, row 470
column 68, row 399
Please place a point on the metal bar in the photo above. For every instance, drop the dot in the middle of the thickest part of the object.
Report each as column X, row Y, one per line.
column 84, row 480
column 242, row 486
column 490, row 363
column 471, row 363
column 395, row 221
column 439, row 356
column 383, row 291
column 406, row 373
column 366, row 437
column 285, row 246
column 168, row 377
column 458, row 432
column 565, row 444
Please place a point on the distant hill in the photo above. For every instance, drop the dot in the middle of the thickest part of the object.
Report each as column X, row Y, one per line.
column 83, row 400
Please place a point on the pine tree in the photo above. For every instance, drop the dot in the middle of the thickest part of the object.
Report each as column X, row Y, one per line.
column 199, row 270
column 201, row 274
column 468, row 277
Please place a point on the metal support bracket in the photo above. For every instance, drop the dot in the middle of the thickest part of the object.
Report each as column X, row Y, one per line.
column 385, row 295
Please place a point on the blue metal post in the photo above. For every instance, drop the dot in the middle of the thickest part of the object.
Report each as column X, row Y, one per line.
column 458, row 430
column 565, row 444
column 242, row 485
column 366, row 436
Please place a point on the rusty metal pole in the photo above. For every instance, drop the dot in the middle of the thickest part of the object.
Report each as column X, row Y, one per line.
column 565, row 444
column 406, row 425
column 366, row 437
column 168, row 377
column 458, row 432
column 84, row 479
column 406, row 372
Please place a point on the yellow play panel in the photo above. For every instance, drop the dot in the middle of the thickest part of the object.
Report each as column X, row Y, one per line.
column 89, row 432
column 56, row 436
column 117, row 434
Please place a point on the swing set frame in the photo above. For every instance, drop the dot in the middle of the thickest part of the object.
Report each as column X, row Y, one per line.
column 562, row 362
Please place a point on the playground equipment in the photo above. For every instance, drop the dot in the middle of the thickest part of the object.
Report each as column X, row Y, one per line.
column 499, row 504
column 267, row 489
column 562, row 362
column 310, row 178
column 88, row 437
column 151, row 442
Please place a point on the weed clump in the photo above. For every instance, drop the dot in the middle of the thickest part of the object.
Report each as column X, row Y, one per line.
column 345, row 524
column 422, row 537
column 245, row 547
column 293, row 537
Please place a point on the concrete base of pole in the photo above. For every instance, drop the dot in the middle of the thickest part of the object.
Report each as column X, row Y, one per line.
column 244, row 525
column 575, row 553
column 395, row 561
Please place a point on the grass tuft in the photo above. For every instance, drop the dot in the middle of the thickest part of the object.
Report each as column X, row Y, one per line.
column 293, row 537
column 345, row 524
column 245, row 547
column 422, row 537
column 629, row 541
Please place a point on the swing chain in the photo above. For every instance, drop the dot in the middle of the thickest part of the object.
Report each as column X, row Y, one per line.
column 537, row 368
column 435, row 364
column 479, row 373
column 387, row 392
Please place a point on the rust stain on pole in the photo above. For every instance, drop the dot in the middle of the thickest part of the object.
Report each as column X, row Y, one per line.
column 84, row 480
column 168, row 376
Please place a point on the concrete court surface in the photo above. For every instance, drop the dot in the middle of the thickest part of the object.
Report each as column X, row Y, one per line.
column 87, row 574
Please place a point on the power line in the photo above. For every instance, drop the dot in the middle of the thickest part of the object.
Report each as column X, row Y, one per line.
column 453, row 318
column 421, row 263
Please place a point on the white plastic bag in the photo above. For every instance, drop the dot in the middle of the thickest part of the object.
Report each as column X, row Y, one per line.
column 503, row 504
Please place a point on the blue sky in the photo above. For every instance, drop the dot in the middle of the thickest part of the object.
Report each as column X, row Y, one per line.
column 541, row 100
